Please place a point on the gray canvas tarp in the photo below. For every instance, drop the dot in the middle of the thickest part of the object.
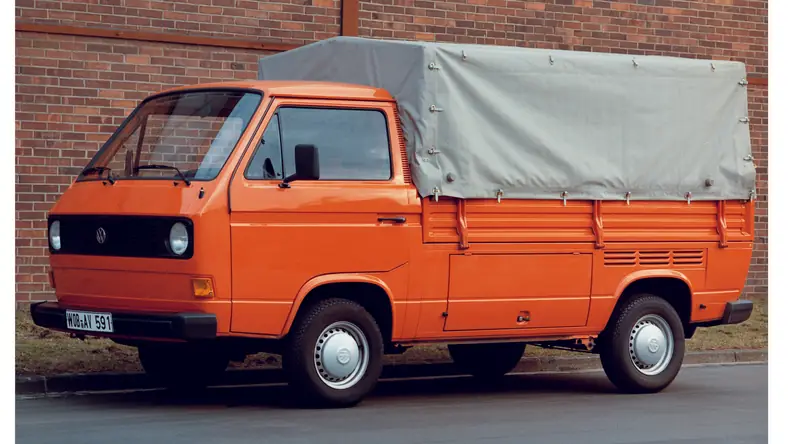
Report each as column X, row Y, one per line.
column 537, row 123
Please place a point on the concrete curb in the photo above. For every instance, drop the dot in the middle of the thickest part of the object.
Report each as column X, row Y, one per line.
column 97, row 382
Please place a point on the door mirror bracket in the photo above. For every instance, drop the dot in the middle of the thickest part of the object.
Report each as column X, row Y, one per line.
column 307, row 165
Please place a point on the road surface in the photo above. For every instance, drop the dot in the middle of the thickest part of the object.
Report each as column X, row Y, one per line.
column 720, row 404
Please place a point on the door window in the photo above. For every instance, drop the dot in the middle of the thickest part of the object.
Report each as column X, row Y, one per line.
column 353, row 144
column 266, row 163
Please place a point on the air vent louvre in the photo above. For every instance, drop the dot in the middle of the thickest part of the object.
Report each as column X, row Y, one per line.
column 621, row 258
column 653, row 258
column 689, row 257
column 403, row 149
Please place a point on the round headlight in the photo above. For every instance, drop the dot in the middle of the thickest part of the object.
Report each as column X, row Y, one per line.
column 54, row 235
column 179, row 238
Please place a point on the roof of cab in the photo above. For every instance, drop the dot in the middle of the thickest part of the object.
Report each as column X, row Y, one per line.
column 299, row 89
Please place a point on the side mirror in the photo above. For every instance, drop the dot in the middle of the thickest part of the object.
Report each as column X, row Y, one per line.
column 307, row 165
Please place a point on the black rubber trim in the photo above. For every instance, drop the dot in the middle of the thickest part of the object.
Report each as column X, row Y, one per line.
column 178, row 326
column 735, row 312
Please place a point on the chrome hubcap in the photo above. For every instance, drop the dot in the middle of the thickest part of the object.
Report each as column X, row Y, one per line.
column 341, row 355
column 651, row 344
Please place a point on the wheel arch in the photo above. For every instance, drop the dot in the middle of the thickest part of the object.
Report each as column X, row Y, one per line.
column 370, row 292
column 671, row 285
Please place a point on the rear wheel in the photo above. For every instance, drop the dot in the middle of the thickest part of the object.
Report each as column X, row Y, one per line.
column 183, row 366
column 335, row 354
column 487, row 360
column 644, row 348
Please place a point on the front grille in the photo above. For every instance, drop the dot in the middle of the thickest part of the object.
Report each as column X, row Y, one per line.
column 123, row 236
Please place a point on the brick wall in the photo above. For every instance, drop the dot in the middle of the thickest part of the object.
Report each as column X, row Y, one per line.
column 71, row 91
column 294, row 21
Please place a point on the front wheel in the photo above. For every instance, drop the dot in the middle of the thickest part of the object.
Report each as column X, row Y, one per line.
column 335, row 354
column 487, row 360
column 644, row 348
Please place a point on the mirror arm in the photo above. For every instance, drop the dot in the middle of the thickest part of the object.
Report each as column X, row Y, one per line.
column 286, row 181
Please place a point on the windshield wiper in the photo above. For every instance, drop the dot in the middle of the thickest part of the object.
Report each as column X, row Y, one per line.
column 99, row 169
column 164, row 167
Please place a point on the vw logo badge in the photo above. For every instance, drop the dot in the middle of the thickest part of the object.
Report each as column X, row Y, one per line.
column 343, row 356
column 653, row 345
column 101, row 235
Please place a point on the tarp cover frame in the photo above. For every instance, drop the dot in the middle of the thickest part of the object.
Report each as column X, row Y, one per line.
column 487, row 121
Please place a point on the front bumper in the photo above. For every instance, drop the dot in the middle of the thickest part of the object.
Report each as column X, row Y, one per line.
column 175, row 326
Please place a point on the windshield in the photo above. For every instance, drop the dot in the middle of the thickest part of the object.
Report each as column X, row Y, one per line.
column 184, row 135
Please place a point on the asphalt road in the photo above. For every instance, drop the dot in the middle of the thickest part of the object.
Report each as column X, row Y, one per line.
column 721, row 404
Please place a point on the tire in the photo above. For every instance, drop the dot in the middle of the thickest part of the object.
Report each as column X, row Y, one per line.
column 334, row 354
column 487, row 360
column 183, row 366
column 640, row 368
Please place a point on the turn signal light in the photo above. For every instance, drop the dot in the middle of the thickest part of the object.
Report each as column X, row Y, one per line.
column 203, row 288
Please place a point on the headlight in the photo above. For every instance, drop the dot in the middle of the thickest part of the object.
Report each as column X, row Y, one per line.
column 179, row 238
column 54, row 235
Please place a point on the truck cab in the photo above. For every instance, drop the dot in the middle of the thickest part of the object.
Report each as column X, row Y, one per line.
column 225, row 219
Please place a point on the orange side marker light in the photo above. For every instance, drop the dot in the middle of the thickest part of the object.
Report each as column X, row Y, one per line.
column 203, row 288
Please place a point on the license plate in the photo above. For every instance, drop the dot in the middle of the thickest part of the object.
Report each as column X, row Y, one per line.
column 89, row 321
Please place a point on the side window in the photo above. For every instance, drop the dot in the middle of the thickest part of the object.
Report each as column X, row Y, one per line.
column 353, row 144
column 266, row 163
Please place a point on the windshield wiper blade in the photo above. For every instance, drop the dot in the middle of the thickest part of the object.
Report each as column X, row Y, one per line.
column 164, row 167
column 99, row 169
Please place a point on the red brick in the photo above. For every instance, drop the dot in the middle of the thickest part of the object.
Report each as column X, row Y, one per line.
column 72, row 91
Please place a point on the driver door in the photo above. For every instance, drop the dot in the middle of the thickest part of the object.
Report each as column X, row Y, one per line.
column 357, row 218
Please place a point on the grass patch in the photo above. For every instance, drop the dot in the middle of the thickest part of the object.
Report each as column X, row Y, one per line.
column 46, row 353
column 752, row 333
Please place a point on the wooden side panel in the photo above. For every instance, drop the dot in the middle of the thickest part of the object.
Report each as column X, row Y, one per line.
column 529, row 221
column 499, row 291
column 671, row 221
column 440, row 221
column 516, row 220
column 740, row 220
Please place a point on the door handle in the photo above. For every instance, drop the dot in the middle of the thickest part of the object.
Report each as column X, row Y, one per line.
column 395, row 219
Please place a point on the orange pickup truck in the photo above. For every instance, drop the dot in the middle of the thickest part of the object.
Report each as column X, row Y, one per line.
column 222, row 220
